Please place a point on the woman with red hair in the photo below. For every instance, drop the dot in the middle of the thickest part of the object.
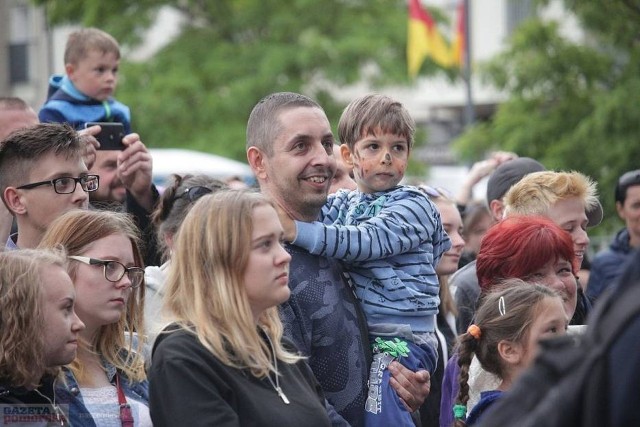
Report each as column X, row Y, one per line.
column 531, row 248
column 534, row 249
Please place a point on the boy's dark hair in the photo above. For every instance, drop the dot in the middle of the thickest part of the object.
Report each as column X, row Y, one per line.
column 374, row 111
column 84, row 40
column 21, row 150
column 263, row 125
column 628, row 179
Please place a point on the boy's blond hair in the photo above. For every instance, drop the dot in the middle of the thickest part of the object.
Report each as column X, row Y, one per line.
column 82, row 41
column 538, row 191
column 364, row 115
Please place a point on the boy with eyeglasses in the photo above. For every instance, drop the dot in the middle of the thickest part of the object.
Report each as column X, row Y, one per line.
column 42, row 176
column 85, row 94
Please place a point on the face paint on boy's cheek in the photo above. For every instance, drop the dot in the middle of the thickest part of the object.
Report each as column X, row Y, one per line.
column 358, row 170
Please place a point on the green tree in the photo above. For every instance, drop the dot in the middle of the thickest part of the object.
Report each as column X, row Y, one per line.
column 572, row 106
column 198, row 91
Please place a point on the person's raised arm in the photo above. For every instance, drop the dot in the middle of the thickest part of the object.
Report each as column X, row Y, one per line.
column 135, row 170
column 480, row 170
column 408, row 222
column 89, row 144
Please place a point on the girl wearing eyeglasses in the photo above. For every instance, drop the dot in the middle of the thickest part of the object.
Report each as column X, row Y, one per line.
column 106, row 383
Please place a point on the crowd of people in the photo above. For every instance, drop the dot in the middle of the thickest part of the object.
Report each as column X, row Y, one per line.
column 332, row 294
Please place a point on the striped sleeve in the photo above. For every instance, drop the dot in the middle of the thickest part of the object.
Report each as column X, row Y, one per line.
column 408, row 221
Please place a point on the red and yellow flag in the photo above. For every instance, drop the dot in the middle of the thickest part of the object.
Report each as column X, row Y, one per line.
column 459, row 39
column 424, row 39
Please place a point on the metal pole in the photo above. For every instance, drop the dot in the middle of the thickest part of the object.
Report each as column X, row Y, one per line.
column 469, row 112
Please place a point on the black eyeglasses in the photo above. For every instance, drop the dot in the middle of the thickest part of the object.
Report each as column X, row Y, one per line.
column 114, row 271
column 67, row 184
column 194, row 193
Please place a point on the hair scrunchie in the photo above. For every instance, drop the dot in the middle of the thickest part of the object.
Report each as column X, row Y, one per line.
column 474, row 331
column 459, row 412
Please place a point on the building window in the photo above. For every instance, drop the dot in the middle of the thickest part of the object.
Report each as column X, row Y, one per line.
column 18, row 63
column 19, row 45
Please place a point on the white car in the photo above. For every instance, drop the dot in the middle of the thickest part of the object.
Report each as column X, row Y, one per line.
column 167, row 161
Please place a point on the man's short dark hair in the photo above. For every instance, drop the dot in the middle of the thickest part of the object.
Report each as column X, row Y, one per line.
column 628, row 179
column 263, row 126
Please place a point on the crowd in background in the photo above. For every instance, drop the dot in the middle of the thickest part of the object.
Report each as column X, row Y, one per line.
column 334, row 293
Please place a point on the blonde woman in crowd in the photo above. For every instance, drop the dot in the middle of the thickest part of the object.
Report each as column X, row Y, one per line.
column 39, row 332
column 223, row 361
column 106, row 382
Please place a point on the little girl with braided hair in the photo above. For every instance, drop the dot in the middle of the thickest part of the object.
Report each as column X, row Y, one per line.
column 504, row 338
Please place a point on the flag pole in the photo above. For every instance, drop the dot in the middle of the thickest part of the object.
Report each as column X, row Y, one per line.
column 469, row 112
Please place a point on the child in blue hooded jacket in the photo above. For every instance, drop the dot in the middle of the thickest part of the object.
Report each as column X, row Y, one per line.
column 85, row 93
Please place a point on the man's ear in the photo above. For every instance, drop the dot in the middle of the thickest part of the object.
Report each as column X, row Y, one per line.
column 496, row 207
column 620, row 210
column 257, row 161
column 512, row 353
column 14, row 201
column 346, row 154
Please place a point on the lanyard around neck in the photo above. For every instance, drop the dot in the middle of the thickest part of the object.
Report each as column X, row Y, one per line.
column 126, row 418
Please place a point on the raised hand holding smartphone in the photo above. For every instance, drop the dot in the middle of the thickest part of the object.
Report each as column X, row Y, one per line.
column 110, row 136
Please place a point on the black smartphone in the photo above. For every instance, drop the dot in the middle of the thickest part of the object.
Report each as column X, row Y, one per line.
column 110, row 136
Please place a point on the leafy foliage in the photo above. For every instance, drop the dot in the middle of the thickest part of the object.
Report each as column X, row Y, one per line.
column 199, row 90
column 571, row 106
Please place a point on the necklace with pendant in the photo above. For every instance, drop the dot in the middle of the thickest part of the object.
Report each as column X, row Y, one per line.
column 60, row 417
column 276, row 385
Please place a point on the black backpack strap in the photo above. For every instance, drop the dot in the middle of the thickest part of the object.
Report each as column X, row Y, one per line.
column 614, row 313
column 589, row 383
